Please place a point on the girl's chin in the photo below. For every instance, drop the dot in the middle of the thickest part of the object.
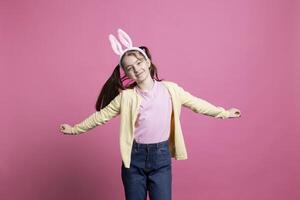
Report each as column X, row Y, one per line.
column 141, row 79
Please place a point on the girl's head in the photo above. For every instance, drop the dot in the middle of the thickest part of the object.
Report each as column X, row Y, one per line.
column 135, row 68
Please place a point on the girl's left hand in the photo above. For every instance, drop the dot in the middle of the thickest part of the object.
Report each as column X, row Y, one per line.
column 234, row 112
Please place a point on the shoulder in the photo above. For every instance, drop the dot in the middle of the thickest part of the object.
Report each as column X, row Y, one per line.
column 170, row 83
column 127, row 92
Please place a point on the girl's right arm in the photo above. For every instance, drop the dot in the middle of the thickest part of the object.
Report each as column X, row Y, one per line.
column 97, row 118
column 200, row 105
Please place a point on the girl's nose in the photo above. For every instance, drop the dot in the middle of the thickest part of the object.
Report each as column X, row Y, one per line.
column 136, row 68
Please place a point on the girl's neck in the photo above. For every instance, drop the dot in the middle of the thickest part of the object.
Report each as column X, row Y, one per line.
column 146, row 84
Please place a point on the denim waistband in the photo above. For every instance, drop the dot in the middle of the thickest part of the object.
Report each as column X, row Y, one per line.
column 153, row 145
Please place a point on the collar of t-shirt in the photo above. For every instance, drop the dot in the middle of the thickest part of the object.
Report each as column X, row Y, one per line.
column 149, row 92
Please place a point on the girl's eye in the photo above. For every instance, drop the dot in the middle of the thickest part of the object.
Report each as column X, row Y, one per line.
column 139, row 63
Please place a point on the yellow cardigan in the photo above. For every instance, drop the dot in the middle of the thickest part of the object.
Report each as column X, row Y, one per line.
column 127, row 103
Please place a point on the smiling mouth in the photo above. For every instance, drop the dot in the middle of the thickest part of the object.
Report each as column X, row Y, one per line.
column 139, row 74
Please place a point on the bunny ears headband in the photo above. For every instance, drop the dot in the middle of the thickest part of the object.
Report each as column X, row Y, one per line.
column 126, row 41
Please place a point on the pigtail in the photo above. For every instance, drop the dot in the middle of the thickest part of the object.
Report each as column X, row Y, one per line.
column 110, row 89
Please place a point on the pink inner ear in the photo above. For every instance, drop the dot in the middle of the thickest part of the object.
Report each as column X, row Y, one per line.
column 115, row 45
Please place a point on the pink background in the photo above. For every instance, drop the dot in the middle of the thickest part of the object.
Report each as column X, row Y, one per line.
column 55, row 56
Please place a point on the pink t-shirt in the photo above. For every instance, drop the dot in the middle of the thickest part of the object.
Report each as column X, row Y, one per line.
column 153, row 121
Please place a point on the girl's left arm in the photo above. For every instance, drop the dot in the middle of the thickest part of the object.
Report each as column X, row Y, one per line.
column 204, row 107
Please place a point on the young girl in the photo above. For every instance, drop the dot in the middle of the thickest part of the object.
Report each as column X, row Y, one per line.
column 150, row 130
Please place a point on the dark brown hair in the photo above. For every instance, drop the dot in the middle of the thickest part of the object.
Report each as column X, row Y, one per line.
column 116, row 82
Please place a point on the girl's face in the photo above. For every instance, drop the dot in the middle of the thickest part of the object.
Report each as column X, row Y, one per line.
column 137, row 69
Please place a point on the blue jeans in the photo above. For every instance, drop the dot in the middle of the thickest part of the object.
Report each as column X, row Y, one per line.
column 150, row 170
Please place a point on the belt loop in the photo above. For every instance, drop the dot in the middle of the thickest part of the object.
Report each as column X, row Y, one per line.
column 136, row 145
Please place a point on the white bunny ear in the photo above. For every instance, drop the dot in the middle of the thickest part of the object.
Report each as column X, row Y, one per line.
column 124, row 38
column 116, row 46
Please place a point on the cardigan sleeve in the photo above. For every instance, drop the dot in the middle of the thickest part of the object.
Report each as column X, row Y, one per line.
column 202, row 106
column 100, row 117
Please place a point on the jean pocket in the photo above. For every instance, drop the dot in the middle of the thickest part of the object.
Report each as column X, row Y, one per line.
column 164, row 150
column 163, row 156
column 135, row 150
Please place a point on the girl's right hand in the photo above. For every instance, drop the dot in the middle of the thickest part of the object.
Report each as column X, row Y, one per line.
column 66, row 129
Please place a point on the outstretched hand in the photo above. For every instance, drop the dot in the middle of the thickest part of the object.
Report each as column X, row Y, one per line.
column 234, row 112
column 65, row 128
